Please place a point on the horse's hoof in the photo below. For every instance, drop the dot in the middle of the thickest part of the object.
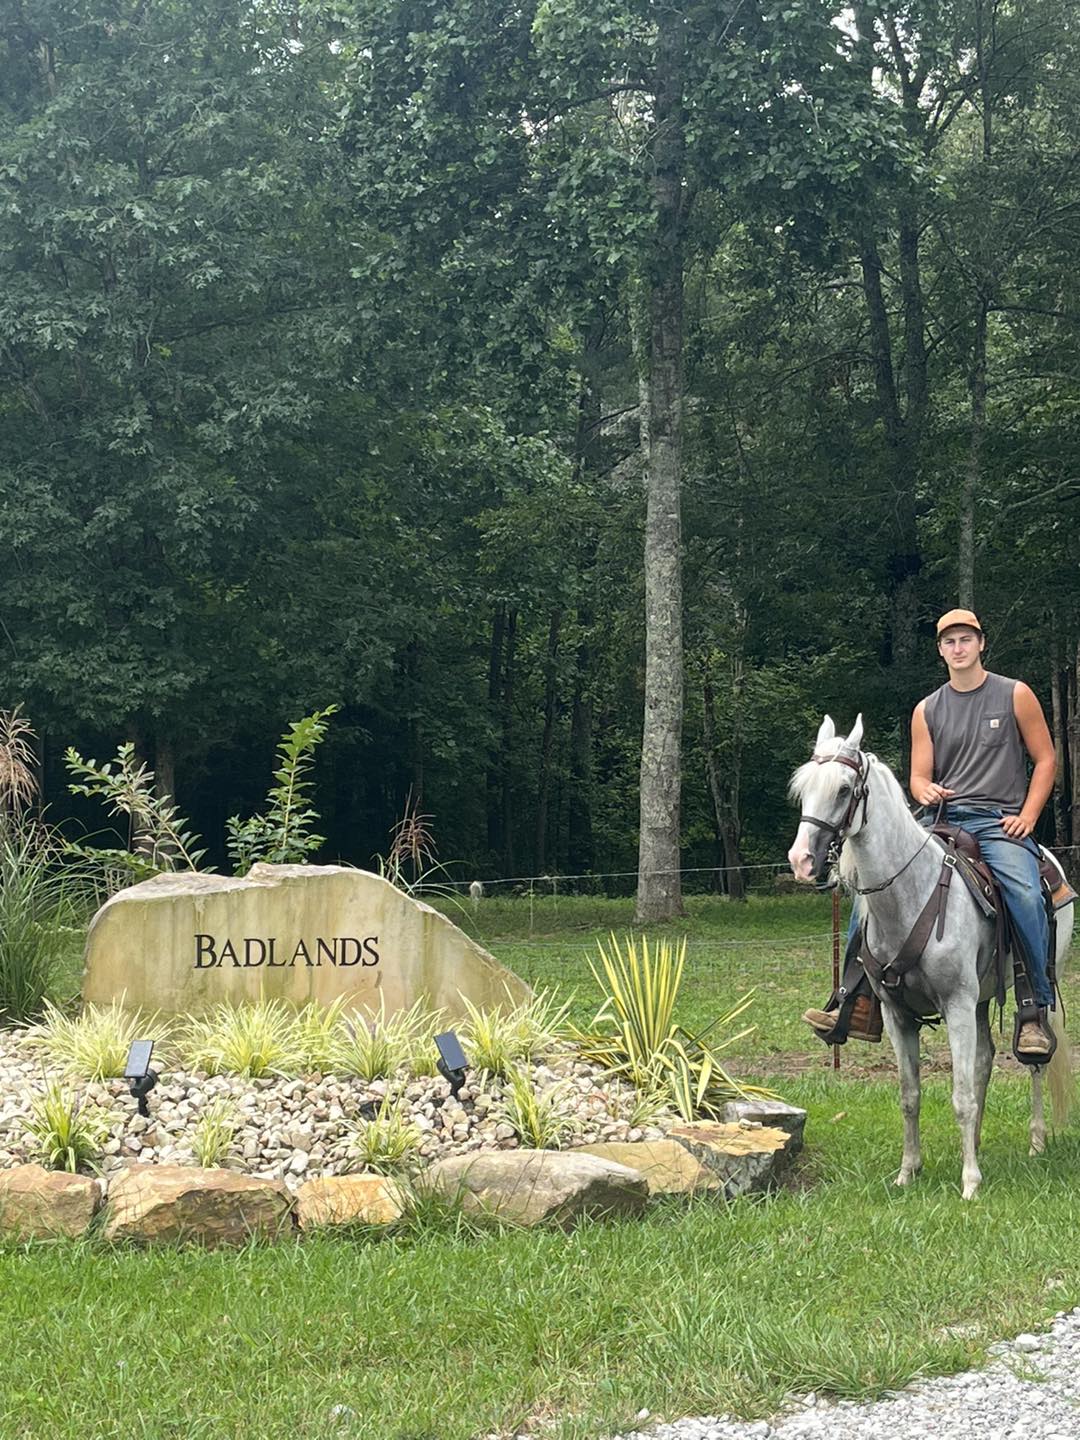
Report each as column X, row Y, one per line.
column 969, row 1191
column 1037, row 1147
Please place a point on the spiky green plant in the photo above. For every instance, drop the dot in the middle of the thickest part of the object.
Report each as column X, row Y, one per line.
column 94, row 1044
column 387, row 1142
column 43, row 909
column 256, row 1038
column 635, row 1035
column 214, row 1132
column 65, row 1132
column 317, row 1031
column 539, row 1117
column 376, row 1048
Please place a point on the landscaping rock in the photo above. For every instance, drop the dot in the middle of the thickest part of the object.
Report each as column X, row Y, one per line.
column 169, row 1203
column 746, row 1158
column 775, row 1113
column 669, row 1168
column 40, row 1204
column 348, row 1200
column 530, row 1187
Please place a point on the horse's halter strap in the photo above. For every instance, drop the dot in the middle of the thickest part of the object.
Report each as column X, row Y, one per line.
column 860, row 794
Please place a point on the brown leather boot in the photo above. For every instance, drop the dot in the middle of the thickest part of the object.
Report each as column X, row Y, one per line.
column 1033, row 1039
column 865, row 1024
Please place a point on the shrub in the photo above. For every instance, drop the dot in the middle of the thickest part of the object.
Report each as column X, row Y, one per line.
column 257, row 1038
column 317, row 1035
column 42, row 912
column 214, row 1132
column 536, row 1115
column 376, row 1049
column 498, row 1038
column 94, row 1044
column 635, row 1035
column 386, row 1142
column 65, row 1133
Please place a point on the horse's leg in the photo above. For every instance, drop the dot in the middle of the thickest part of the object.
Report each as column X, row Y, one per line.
column 960, row 1020
column 904, row 1035
column 1038, row 1119
column 984, row 1063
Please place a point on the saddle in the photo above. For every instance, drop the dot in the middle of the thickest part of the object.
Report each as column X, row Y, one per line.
column 963, row 855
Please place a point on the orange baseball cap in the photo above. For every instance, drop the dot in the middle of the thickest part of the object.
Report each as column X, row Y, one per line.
column 959, row 617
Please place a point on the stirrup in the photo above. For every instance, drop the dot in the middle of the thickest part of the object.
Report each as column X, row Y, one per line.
column 1027, row 1015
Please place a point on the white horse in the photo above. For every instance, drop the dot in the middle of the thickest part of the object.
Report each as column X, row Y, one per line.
column 851, row 799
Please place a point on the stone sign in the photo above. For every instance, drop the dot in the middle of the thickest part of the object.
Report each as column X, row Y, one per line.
column 182, row 943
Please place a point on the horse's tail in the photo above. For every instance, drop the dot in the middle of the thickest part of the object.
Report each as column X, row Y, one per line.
column 1059, row 1072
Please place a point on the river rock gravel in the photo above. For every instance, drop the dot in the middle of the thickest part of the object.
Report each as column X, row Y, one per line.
column 1030, row 1390
column 298, row 1129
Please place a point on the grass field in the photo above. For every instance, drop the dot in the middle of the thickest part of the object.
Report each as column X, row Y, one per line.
column 841, row 1284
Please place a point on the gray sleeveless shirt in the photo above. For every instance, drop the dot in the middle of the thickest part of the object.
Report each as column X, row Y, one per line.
column 978, row 750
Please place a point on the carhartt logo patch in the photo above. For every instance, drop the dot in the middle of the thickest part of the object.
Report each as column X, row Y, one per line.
column 994, row 724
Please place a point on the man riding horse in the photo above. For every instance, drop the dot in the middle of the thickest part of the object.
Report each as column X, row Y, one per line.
column 968, row 743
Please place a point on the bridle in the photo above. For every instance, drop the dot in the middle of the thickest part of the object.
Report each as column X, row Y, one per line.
column 860, row 795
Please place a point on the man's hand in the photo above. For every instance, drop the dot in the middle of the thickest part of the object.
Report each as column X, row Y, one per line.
column 1016, row 826
column 932, row 794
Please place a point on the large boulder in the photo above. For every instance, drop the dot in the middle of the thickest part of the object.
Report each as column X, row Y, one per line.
column 170, row 1203
column 529, row 1187
column 745, row 1158
column 668, row 1167
column 40, row 1204
column 348, row 1200
column 183, row 942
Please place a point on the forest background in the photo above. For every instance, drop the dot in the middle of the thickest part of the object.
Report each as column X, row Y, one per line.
column 507, row 372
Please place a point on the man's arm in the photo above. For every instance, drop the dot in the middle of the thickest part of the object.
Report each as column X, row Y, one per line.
column 1036, row 737
column 921, row 782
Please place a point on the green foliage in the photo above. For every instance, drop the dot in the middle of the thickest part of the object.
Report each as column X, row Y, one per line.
column 214, row 1132
column 94, row 1044
column 42, row 908
column 255, row 1038
column 539, row 1117
column 317, row 1035
column 66, row 1133
column 283, row 834
column 498, row 1037
column 376, row 1048
column 157, row 831
column 635, row 1034
column 388, row 1142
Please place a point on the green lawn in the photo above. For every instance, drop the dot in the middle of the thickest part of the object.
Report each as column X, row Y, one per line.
column 842, row 1284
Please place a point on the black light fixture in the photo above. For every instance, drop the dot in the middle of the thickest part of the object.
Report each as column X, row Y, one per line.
column 452, row 1062
column 137, row 1070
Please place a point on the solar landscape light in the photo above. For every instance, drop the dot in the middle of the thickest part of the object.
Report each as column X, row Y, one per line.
column 452, row 1061
column 137, row 1070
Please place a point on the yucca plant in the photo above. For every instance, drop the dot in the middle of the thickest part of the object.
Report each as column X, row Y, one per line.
column 388, row 1141
column 376, row 1049
column 636, row 1037
column 94, row 1044
column 537, row 1116
column 65, row 1132
column 214, row 1132
column 256, row 1038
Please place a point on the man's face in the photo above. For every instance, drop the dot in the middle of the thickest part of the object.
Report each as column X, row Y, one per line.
column 960, row 647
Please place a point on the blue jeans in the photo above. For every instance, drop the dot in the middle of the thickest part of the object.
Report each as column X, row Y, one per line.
column 1015, row 865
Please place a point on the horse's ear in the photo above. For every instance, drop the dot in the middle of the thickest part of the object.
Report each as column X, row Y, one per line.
column 826, row 733
column 854, row 740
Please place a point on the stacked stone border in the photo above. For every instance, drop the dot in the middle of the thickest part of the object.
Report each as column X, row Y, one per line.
column 745, row 1153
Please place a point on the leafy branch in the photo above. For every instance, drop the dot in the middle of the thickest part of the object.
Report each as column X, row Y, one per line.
column 158, row 833
column 283, row 834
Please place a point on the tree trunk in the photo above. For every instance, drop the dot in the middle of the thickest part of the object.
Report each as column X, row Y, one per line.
column 494, row 788
column 580, row 857
column 965, row 568
column 724, row 794
column 506, row 766
column 543, row 785
column 1060, row 829
column 659, row 894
